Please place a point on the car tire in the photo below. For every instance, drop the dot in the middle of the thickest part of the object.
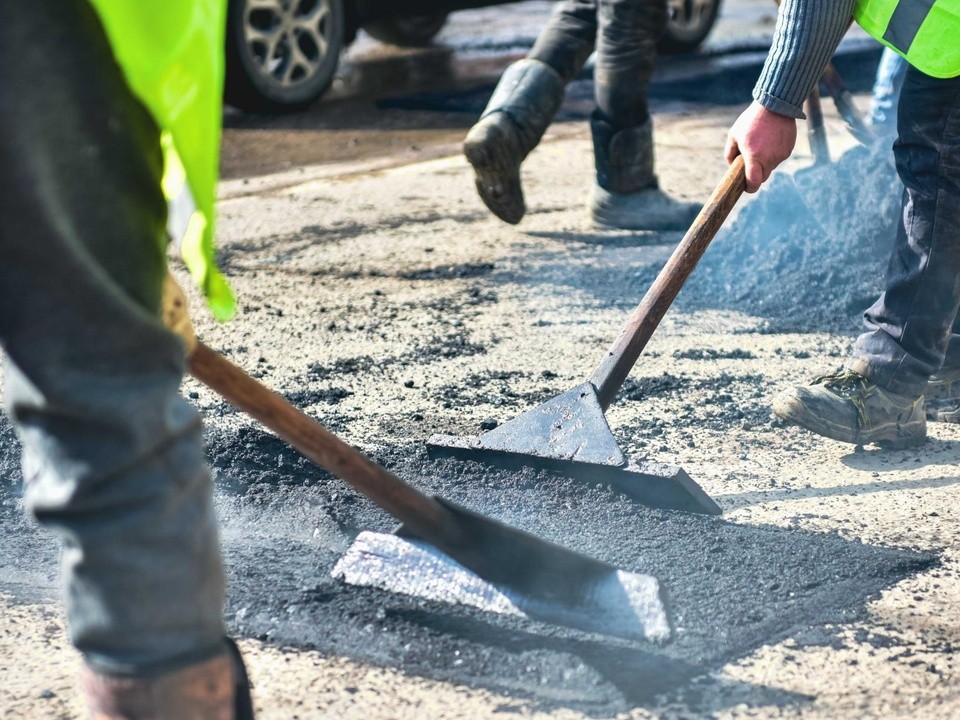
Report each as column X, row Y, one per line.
column 407, row 31
column 689, row 24
column 265, row 70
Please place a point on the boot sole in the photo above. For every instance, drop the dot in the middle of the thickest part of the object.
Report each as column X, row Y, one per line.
column 497, row 180
column 912, row 435
column 607, row 217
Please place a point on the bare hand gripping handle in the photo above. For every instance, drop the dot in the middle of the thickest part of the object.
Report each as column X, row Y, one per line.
column 621, row 358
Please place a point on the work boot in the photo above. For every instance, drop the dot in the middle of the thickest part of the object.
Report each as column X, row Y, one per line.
column 216, row 689
column 942, row 395
column 848, row 407
column 523, row 105
column 627, row 195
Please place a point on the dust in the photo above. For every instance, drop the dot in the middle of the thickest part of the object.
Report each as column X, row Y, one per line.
column 809, row 253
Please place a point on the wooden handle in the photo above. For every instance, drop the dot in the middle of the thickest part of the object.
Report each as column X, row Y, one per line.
column 611, row 373
column 422, row 515
column 816, row 132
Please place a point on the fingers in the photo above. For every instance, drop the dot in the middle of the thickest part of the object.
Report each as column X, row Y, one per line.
column 753, row 167
column 755, row 173
column 732, row 149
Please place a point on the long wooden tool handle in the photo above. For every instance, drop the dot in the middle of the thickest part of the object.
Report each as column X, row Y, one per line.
column 611, row 373
column 816, row 132
column 422, row 515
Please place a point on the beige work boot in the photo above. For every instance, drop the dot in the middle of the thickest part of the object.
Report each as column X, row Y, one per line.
column 848, row 407
column 626, row 195
column 523, row 105
column 216, row 689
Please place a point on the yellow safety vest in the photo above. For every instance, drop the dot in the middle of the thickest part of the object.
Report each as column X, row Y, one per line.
column 925, row 32
column 172, row 55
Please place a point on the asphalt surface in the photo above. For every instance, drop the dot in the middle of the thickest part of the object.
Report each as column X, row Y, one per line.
column 389, row 305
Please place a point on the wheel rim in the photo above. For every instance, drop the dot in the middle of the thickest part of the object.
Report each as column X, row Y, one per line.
column 688, row 17
column 288, row 39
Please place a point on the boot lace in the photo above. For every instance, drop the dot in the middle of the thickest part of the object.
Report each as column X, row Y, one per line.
column 851, row 386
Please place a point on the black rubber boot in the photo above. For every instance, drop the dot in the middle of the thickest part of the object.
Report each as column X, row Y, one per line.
column 627, row 196
column 523, row 105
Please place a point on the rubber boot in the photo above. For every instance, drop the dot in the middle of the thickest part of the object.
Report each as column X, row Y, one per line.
column 523, row 105
column 626, row 195
column 216, row 689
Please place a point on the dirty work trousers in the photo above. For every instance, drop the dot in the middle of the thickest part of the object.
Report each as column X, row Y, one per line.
column 112, row 455
column 909, row 334
column 624, row 34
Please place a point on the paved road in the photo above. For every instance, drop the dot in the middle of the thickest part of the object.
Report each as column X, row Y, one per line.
column 352, row 121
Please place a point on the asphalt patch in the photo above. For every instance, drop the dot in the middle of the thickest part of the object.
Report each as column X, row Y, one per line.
column 732, row 588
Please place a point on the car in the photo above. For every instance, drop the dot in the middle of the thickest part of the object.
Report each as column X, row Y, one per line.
column 283, row 54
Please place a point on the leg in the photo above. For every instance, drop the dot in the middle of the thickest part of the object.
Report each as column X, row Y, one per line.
column 880, row 398
column 112, row 454
column 568, row 39
column 627, row 195
column 909, row 327
column 524, row 104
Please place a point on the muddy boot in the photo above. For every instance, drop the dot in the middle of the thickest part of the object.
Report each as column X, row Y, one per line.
column 626, row 195
column 217, row 689
column 942, row 397
column 848, row 407
column 522, row 107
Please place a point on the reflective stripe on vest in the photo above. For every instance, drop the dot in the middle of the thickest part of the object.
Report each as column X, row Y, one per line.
column 925, row 32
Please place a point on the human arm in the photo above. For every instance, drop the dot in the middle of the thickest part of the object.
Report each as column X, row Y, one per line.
column 807, row 34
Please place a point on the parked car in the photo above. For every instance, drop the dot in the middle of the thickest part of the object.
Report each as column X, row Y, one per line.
column 282, row 54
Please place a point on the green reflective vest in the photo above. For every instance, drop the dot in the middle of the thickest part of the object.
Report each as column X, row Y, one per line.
column 925, row 32
column 172, row 54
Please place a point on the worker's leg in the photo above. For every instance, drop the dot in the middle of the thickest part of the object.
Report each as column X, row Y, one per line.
column 112, row 454
column 880, row 399
column 909, row 327
column 523, row 106
column 627, row 195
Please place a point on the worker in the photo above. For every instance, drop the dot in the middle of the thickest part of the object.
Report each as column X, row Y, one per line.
column 879, row 397
column 626, row 194
column 112, row 455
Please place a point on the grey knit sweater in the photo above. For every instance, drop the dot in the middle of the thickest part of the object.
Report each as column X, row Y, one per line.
column 807, row 34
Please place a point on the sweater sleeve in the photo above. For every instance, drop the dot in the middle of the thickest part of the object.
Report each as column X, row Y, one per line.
column 807, row 34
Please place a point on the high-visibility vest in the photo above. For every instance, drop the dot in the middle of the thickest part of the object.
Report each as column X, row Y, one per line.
column 925, row 32
column 172, row 55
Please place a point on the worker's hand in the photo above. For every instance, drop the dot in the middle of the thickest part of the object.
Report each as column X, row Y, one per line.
column 764, row 138
column 176, row 313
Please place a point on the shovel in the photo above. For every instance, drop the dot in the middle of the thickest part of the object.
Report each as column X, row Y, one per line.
column 816, row 131
column 846, row 106
column 513, row 571
column 569, row 434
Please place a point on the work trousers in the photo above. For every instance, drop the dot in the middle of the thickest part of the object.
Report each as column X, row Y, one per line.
column 909, row 329
column 112, row 455
column 625, row 35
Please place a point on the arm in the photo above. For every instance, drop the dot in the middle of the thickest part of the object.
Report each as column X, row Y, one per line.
column 807, row 34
